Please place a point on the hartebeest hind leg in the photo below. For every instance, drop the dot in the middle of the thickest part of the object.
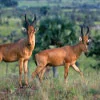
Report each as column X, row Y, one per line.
column 25, row 72
column 41, row 74
column 0, row 57
column 20, row 71
column 66, row 68
column 78, row 70
column 37, row 71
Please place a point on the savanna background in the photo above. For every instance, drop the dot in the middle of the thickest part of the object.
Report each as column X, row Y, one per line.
column 58, row 23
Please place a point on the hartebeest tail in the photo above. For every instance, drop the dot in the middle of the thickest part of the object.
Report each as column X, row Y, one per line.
column 20, row 51
column 66, row 56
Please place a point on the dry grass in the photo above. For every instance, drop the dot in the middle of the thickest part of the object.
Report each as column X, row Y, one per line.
column 52, row 89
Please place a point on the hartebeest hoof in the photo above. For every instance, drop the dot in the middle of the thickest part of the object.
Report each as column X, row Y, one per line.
column 20, row 86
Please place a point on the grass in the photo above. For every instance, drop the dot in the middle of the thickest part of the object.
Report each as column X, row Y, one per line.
column 51, row 88
column 14, row 24
column 97, row 23
column 40, row 3
column 32, row 4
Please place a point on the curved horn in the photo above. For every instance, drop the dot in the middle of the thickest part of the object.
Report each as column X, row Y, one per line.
column 26, row 20
column 87, row 30
column 82, row 33
column 34, row 19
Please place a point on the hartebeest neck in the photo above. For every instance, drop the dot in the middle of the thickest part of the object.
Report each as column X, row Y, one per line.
column 77, row 49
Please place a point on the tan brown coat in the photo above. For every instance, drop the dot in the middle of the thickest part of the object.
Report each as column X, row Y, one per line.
column 20, row 51
column 66, row 56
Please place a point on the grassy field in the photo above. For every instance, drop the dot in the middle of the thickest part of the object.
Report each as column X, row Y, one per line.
column 9, row 25
column 41, row 3
column 51, row 88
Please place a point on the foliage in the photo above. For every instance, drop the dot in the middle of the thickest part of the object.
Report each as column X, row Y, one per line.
column 56, row 31
column 50, row 30
column 9, row 3
column 44, row 10
column 95, row 51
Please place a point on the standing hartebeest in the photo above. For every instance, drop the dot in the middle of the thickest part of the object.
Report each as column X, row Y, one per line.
column 66, row 56
column 20, row 51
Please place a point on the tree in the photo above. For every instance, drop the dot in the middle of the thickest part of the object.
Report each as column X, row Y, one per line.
column 95, row 51
column 8, row 3
column 44, row 10
column 55, row 31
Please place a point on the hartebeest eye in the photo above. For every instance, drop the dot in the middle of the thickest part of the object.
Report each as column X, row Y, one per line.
column 88, row 43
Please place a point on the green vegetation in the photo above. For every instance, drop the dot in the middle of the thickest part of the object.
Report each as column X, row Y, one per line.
column 53, row 89
column 58, row 22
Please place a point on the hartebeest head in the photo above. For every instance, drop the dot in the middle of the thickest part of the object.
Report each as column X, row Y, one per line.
column 85, row 40
column 30, row 30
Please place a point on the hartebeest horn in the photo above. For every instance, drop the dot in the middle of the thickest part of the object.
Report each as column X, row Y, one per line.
column 87, row 30
column 82, row 33
column 26, row 20
column 34, row 19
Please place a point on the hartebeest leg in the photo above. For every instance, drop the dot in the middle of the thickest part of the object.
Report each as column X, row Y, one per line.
column 66, row 68
column 37, row 71
column 41, row 74
column 78, row 70
column 25, row 72
column 20, row 71
column 0, row 58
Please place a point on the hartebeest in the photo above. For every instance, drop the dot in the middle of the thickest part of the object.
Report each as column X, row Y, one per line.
column 66, row 55
column 20, row 51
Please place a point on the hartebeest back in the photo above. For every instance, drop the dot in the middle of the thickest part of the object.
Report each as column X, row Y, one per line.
column 66, row 56
column 20, row 51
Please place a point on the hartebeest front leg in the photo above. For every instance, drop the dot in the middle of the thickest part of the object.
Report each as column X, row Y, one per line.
column 20, row 71
column 66, row 68
column 78, row 70
column 25, row 72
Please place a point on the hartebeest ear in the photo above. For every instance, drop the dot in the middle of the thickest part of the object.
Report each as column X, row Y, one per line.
column 89, row 40
column 36, row 29
column 80, row 39
column 24, row 29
